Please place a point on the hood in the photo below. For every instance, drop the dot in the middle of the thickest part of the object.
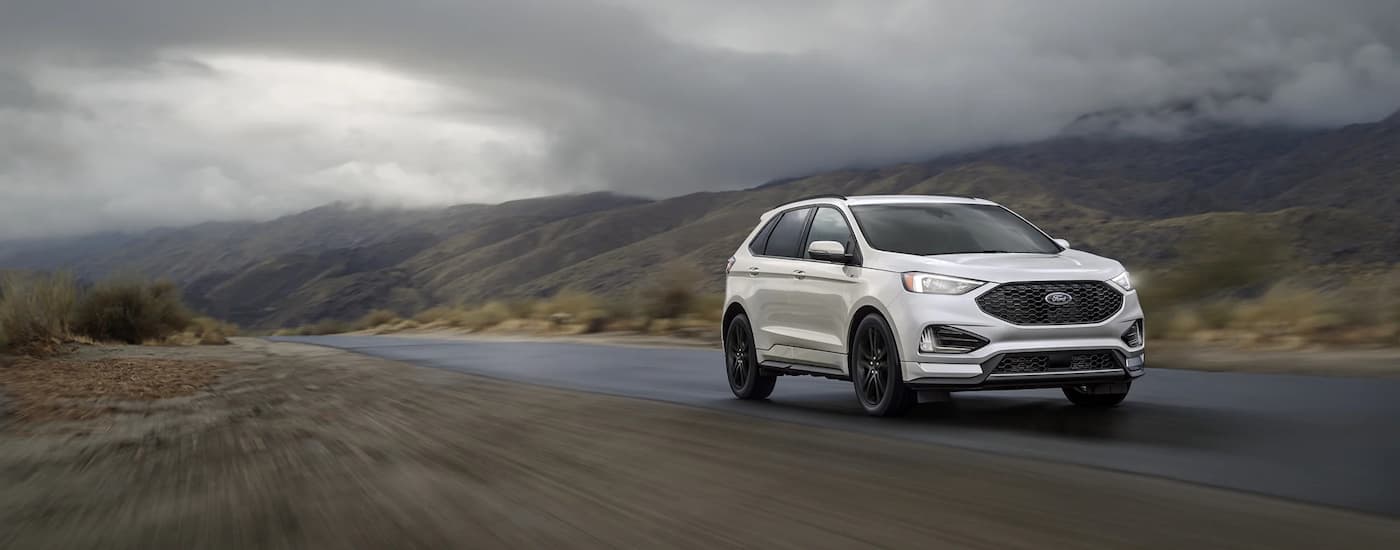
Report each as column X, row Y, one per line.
column 1070, row 265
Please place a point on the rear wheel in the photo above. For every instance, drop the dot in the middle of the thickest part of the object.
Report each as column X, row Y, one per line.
column 1100, row 396
column 875, row 370
column 746, row 379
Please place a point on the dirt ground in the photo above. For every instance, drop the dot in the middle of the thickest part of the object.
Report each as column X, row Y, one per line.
column 295, row 446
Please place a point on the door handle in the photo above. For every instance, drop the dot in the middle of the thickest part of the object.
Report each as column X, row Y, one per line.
column 799, row 274
column 753, row 271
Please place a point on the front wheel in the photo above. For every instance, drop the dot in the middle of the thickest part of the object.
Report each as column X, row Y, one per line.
column 875, row 370
column 746, row 379
column 1100, row 396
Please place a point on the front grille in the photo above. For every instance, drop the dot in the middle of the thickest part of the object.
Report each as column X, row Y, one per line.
column 1035, row 363
column 1027, row 304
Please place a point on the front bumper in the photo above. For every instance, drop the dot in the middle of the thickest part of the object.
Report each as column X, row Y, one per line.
column 986, row 376
column 978, row 369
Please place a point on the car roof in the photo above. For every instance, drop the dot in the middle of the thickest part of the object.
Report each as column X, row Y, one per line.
column 913, row 199
column 858, row 200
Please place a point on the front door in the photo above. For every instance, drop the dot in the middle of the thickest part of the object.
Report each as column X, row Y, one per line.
column 825, row 291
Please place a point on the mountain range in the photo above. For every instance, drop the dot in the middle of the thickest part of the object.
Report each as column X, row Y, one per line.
column 1333, row 193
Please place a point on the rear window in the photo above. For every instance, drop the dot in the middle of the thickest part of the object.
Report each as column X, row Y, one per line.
column 786, row 238
column 761, row 239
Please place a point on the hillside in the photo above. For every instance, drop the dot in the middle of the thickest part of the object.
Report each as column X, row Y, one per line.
column 1330, row 193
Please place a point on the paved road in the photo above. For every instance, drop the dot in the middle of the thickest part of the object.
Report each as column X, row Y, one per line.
column 1332, row 441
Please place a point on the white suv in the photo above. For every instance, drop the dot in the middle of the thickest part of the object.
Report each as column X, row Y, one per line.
column 910, row 297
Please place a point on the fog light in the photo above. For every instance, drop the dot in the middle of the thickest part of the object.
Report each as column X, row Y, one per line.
column 1136, row 363
column 938, row 339
column 1133, row 337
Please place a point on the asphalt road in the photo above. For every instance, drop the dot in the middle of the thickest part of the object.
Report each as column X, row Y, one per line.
column 1333, row 441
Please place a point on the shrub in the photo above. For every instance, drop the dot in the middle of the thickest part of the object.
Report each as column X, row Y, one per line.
column 518, row 308
column 131, row 311
column 1218, row 259
column 36, row 310
column 671, row 294
column 573, row 303
column 434, row 315
column 376, row 318
column 326, row 326
column 489, row 315
column 212, row 332
column 709, row 307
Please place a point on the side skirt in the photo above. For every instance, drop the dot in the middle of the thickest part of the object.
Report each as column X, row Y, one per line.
column 795, row 369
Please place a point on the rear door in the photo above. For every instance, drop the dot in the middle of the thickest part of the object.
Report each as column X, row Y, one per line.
column 775, row 310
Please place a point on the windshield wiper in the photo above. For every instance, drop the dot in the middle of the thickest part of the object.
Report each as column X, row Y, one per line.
column 987, row 252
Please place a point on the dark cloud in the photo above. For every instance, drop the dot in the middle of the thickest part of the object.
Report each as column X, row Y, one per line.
column 520, row 97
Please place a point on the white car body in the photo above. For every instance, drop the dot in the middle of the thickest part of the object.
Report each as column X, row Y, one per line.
column 803, row 311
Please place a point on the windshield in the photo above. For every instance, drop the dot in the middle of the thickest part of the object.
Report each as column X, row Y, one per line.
column 950, row 228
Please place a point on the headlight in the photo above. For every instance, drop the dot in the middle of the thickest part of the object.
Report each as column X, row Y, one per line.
column 1123, row 281
column 928, row 283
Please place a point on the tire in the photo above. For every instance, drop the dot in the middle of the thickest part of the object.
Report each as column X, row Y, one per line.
column 746, row 378
column 875, row 370
column 1095, row 400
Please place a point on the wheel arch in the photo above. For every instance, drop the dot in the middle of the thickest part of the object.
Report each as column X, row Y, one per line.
column 863, row 309
column 730, row 312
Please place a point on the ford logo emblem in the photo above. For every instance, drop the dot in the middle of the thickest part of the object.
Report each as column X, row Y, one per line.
column 1059, row 298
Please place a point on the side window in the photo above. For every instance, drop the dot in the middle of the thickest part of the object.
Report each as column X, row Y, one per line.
column 787, row 234
column 760, row 240
column 828, row 225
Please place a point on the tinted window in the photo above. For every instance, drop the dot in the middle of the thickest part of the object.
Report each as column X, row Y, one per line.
column 927, row 229
column 787, row 234
column 828, row 225
column 761, row 239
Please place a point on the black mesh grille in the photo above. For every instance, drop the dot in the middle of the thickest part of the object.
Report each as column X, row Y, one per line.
column 1093, row 361
column 1032, row 363
column 1026, row 303
column 1022, row 364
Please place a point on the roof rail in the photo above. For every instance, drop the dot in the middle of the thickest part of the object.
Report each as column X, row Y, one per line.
column 821, row 196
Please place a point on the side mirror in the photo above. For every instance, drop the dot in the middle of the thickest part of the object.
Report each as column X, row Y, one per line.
column 1063, row 243
column 828, row 251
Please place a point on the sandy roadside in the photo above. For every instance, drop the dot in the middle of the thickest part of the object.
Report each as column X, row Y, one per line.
column 1168, row 355
column 300, row 446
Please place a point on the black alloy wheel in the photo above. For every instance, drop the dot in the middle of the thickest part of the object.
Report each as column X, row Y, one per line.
column 746, row 379
column 875, row 370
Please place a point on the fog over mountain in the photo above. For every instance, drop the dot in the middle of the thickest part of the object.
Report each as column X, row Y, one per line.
column 127, row 114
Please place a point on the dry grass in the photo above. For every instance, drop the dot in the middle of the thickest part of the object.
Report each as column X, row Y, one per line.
column 671, row 294
column 1361, row 313
column 36, row 311
column 1238, row 284
column 568, row 312
column 376, row 318
column 203, row 331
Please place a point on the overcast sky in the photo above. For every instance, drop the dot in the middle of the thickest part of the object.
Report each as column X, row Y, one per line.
column 124, row 114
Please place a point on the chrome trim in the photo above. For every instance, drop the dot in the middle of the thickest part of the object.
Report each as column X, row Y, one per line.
column 1058, row 373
